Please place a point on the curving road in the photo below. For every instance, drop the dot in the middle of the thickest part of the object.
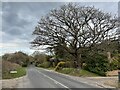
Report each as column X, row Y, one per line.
column 40, row 78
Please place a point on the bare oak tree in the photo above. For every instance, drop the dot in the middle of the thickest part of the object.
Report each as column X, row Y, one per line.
column 73, row 28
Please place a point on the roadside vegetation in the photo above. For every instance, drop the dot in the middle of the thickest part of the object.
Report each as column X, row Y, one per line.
column 17, row 61
column 95, row 62
column 8, row 66
column 18, row 57
column 79, row 38
column 80, row 73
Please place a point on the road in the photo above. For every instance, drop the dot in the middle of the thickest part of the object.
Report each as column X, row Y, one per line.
column 40, row 78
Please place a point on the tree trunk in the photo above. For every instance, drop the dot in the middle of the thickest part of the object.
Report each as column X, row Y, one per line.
column 78, row 62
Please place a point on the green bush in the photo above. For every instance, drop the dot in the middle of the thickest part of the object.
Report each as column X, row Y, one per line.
column 24, row 65
column 68, row 64
column 44, row 65
column 114, row 65
column 97, row 63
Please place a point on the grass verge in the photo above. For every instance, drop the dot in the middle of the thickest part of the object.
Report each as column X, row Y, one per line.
column 74, row 72
column 50, row 68
column 20, row 72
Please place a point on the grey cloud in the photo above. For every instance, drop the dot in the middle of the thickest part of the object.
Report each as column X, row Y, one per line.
column 15, row 31
column 20, row 18
column 11, row 18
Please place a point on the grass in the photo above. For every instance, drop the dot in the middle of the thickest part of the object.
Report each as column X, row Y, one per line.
column 74, row 72
column 50, row 68
column 119, row 85
column 20, row 72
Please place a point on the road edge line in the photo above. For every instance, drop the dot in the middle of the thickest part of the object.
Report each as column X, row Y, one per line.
column 53, row 80
column 97, row 84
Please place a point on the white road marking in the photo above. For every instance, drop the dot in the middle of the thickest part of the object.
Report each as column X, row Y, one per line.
column 54, row 80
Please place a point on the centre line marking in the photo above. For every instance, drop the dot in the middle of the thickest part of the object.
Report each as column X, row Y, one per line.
column 53, row 80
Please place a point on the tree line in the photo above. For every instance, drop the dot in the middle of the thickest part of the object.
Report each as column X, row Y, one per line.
column 95, row 60
column 19, row 57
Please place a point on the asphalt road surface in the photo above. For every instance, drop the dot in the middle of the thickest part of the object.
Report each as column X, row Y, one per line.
column 40, row 78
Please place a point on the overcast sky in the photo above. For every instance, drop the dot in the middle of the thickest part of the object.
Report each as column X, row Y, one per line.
column 20, row 18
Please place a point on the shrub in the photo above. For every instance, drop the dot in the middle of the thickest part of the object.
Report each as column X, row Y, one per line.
column 24, row 65
column 44, row 65
column 98, row 64
column 67, row 64
column 113, row 65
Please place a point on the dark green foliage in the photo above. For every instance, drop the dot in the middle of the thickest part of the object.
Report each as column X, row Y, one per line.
column 59, row 51
column 97, row 63
column 115, row 64
column 24, row 65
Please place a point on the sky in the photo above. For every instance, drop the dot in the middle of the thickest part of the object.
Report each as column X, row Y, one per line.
column 20, row 18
